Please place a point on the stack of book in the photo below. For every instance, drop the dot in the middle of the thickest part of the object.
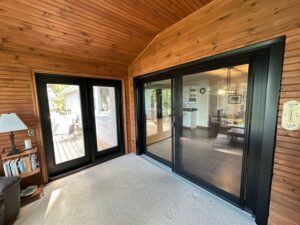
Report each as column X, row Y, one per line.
column 20, row 166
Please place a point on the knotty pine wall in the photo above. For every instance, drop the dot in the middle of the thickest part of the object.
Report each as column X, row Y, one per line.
column 17, row 90
column 224, row 25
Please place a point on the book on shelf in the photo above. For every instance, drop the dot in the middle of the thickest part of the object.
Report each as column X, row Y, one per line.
column 20, row 166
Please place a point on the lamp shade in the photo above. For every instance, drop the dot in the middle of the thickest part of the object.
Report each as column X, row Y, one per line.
column 11, row 122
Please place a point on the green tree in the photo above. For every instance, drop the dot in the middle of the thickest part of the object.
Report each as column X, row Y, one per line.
column 59, row 99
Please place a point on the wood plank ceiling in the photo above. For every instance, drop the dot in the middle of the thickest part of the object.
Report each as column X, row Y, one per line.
column 109, row 32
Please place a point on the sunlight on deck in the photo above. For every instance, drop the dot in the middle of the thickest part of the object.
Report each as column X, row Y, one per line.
column 67, row 148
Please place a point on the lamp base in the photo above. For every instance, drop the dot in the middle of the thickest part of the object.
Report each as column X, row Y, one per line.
column 13, row 150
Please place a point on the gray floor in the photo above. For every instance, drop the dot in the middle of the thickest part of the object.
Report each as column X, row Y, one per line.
column 163, row 149
column 129, row 190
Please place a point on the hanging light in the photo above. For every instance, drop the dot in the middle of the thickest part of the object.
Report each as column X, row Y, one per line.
column 221, row 92
column 229, row 90
column 228, row 77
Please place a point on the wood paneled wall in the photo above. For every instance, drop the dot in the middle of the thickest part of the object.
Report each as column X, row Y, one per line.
column 224, row 25
column 96, row 37
column 103, row 30
column 17, row 90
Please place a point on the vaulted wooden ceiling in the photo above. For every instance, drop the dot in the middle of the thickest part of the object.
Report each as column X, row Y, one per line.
column 107, row 31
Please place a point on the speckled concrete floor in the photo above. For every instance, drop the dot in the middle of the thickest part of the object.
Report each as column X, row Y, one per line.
column 129, row 190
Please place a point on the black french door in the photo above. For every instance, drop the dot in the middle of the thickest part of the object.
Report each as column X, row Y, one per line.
column 105, row 100
column 223, row 122
column 81, row 121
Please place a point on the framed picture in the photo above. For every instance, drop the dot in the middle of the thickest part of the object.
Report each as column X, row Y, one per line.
column 234, row 99
column 192, row 99
column 192, row 94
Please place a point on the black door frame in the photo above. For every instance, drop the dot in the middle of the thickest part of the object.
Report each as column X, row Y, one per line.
column 178, row 76
column 266, row 59
column 142, row 124
column 117, row 84
column 86, row 97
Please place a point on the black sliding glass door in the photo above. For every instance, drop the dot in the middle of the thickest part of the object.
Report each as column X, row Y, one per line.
column 222, row 123
column 74, row 134
column 211, row 127
column 158, row 119
column 209, row 112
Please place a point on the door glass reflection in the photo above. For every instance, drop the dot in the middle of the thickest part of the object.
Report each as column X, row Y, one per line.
column 213, row 126
column 105, row 117
column 158, row 118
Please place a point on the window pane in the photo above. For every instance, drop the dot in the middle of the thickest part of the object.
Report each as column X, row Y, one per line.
column 105, row 117
column 213, row 126
column 66, row 121
column 158, row 118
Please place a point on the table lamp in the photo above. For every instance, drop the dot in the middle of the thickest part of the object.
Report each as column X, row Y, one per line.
column 10, row 122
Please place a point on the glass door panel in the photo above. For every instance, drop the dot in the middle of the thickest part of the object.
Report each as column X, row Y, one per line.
column 82, row 121
column 63, row 113
column 158, row 116
column 212, row 128
column 105, row 117
column 66, row 122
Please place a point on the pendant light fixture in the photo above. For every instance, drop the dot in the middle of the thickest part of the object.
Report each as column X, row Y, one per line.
column 227, row 89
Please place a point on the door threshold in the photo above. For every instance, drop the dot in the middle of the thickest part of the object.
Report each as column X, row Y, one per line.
column 86, row 166
column 156, row 162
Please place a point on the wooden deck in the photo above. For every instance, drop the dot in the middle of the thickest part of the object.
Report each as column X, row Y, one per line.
column 68, row 148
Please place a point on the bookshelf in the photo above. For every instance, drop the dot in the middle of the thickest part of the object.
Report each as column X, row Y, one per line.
column 34, row 172
column 22, row 153
column 33, row 177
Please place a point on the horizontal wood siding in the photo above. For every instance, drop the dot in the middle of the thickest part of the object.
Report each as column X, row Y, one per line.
column 17, row 91
column 98, row 38
column 224, row 25
column 104, row 31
